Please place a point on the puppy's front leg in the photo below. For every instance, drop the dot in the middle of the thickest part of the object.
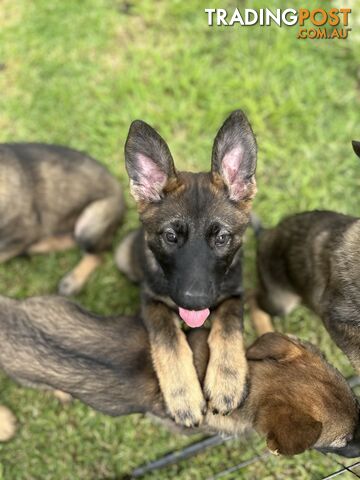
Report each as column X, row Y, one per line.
column 225, row 381
column 173, row 363
column 74, row 281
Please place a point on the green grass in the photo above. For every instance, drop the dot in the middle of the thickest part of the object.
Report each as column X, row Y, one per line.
column 77, row 73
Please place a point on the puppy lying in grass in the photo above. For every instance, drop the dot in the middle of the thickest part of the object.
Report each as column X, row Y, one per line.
column 296, row 399
column 314, row 258
column 53, row 198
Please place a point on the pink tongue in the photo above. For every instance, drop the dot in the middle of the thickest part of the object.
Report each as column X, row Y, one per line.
column 194, row 318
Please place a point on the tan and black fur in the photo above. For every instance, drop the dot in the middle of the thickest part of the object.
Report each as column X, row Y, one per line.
column 188, row 254
column 296, row 399
column 52, row 198
column 314, row 258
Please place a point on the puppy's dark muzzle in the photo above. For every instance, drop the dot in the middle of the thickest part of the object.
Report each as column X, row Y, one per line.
column 193, row 293
column 352, row 450
column 193, row 300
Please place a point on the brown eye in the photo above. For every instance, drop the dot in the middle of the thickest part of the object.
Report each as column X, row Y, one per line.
column 170, row 236
column 222, row 239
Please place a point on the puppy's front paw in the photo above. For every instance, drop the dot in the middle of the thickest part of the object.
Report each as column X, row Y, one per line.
column 225, row 386
column 69, row 285
column 75, row 280
column 187, row 406
column 7, row 424
column 224, row 391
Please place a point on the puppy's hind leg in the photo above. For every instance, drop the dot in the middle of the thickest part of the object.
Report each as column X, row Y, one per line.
column 97, row 224
column 94, row 231
column 52, row 244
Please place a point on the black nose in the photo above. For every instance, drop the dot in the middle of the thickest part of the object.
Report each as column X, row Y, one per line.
column 352, row 450
column 193, row 299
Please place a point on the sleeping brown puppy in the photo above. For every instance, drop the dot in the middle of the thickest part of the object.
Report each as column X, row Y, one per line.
column 296, row 399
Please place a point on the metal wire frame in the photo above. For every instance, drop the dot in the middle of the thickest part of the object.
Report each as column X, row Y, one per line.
column 343, row 470
column 179, row 455
column 216, row 440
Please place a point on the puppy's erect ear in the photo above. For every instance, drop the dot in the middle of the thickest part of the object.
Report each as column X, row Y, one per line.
column 356, row 147
column 274, row 346
column 148, row 162
column 234, row 157
column 288, row 431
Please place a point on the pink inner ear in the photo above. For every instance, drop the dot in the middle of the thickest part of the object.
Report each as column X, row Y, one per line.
column 151, row 181
column 232, row 175
column 231, row 164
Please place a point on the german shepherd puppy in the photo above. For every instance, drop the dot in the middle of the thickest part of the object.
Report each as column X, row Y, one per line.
column 314, row 258
column 52, row 198
column 106, row 362
column 187, row 257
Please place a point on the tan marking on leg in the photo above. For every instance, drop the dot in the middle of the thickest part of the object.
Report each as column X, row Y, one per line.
column 261, row 320
column 52, row 244
column 74, row 281
column 179, row 383
column 173, row 362
column 7, row 424
column 225, row 380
